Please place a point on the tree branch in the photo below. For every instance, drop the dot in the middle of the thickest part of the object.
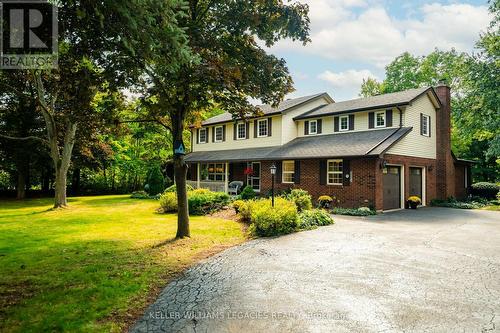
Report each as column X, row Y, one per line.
column 26, row 138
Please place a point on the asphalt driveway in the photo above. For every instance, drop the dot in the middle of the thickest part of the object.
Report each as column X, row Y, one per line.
column 429, row 270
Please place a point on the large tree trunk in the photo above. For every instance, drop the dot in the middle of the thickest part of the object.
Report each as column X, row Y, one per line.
column 180, row 175
column 60, row 200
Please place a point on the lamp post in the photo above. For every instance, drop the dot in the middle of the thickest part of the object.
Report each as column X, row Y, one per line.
column 273, row 173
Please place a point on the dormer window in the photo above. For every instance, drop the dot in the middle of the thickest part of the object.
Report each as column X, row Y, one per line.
column 344, row 123
column 202, row 135
column 313, row 127
column 380, row 119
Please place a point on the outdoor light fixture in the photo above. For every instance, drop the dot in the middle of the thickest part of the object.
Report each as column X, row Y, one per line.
column 383, row 164
column 273, row 173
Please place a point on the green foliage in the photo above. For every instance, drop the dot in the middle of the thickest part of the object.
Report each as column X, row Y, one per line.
column 168, row 202
column 324, row 201
column 248, row 193
column 245, row 210
column 485, row 190
column 301, row 198
column 453, row 203
column 272, row 221
column 362, row 211
column 173, row 188
column 203, row 201
column 314, row 218
column 238, row 204
column 155, row 181
column 139, row 195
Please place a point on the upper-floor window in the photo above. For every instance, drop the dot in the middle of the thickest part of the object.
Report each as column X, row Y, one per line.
column 262, row 128
column 202, row 135
column 344, row 123
column 219, row 134
column 426, row 125
column 334, row 172
column 380, row 119
column 241, row 131
column 313, row 127
column 288, row 172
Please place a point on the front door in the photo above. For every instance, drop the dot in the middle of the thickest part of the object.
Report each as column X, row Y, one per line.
column 392, row 187
column 416, row 182
column 254, row 179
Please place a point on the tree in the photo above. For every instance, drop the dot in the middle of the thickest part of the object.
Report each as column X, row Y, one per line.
column 227, row 67
column 371, row 87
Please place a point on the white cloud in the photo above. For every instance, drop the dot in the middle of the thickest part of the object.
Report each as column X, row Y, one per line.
column 347, row 83
column 374, row 37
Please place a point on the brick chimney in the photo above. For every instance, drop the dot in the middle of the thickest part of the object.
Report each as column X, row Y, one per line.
column 445, row 168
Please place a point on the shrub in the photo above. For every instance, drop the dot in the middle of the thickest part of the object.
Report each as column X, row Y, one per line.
column 168, row 202
column 325, row 201
column 415, row 199
column 139, row 195
column 245, row 211
column 485, row 190
column 248, row 193
column 301, row 198
column 173, row 188
column 271, row 221
column 203, row 201
column 313, row 218
column 453, row 203
column 363, row 211
column 155, row 181
column 238, row 205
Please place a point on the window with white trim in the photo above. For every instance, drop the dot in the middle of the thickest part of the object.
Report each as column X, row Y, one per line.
column 202, row 135
column 288, row 172
column 213, row 172
column 313, row 127
column 219, row 134
column 425, row 125
column 380, row 119
column 262, row 128
column 334, row 172
column 344, row 123
column 241, row 131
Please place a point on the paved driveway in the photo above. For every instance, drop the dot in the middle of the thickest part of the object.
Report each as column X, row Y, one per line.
column 434, row 270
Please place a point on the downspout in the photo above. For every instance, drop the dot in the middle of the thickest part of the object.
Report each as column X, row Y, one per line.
column 400, row 116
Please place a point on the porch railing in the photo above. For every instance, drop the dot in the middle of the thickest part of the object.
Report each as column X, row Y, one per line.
column 211, row 185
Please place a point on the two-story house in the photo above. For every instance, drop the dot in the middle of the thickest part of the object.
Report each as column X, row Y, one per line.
column 374, row 151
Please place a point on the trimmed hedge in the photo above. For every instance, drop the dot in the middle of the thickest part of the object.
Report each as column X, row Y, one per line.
column 485, row 190
column 203, row 201
column 271, row 221
column 168, row 202
column 301, row 198
column 453, row 203
column 248, row 193
column 314, row 218
column 173, row 188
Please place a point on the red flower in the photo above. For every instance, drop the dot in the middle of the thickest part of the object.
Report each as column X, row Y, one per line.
column 248, row 172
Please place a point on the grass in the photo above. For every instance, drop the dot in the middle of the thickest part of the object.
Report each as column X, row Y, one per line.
column 96, row 265
column 495, row 208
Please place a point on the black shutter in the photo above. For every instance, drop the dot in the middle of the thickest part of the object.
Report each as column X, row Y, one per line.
column 255, row 128
column 371, row 120
column 223, row 132
column 297, row 172
column 388, row 116
column 247, row 130
column 269, row 126
column 346, row 172
column 278, row 171
column 192, row 138
column 336, row 124
column 429, row 126
column 213, row 134
column 351, row 122
column 322, row 172
column 197, row 135
column 306, row 127
column 319, row 124
column 235, row 131
column 421, row 124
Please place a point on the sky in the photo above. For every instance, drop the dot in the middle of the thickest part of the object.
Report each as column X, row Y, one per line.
column 356, row 39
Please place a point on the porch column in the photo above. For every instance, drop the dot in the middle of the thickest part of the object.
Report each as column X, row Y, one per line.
column 198, row 175
column 226, row 181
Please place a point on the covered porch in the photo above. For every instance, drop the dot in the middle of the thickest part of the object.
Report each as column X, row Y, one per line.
column 217, row 176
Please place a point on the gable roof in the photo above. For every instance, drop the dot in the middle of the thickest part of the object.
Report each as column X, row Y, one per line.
column 350, row 144
column 268, row 109
column 373, row 102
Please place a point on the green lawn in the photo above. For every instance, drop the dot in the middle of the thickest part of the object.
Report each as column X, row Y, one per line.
column 96, row 265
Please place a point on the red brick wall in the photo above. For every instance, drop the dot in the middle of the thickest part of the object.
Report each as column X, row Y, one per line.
column 460, row 189
column 361, row 192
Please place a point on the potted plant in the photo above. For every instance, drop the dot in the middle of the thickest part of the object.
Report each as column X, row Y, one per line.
column 325, row 201
column 414, row 201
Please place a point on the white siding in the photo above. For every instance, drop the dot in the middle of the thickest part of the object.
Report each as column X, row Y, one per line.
column 414, row 144
column 251, row 142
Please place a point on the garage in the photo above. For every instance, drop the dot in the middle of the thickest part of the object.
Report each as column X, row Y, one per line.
column 392, row 187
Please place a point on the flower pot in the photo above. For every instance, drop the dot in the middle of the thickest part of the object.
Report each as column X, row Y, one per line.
column 413, row 205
